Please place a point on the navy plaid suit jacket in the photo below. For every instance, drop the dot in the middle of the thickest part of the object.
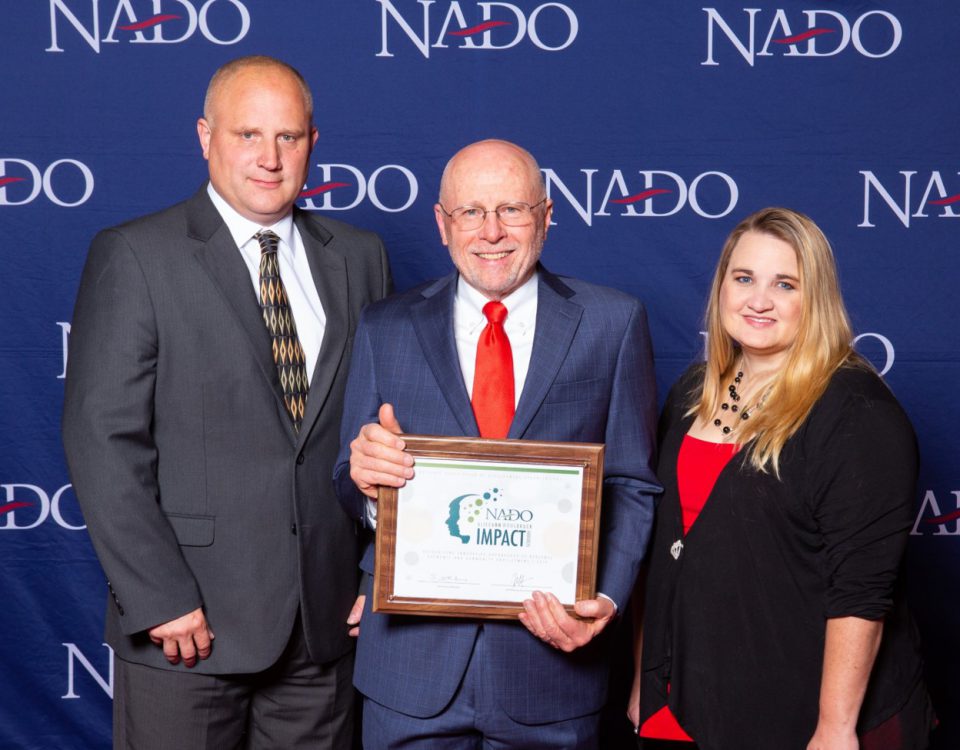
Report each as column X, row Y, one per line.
column 590, row 380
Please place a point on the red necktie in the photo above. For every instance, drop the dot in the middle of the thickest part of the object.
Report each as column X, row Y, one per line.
column 493, row 378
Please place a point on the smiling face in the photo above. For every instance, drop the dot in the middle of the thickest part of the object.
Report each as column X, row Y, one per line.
column 257, row 137
column 494, row 259
column 760, row 297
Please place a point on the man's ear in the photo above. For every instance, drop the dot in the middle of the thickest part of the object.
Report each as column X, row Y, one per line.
column 547, row 213
column 204, row 132
column 441, row 217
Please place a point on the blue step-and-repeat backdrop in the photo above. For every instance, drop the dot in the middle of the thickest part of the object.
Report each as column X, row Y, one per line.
column 658, row 125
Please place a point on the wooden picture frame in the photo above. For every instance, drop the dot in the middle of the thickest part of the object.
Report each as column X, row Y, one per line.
column 490, row 555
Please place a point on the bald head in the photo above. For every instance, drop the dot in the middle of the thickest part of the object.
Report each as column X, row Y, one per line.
column 252, row 63
column 492, row 154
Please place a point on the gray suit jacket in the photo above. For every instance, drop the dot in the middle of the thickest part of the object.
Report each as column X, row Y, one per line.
column 195, row 488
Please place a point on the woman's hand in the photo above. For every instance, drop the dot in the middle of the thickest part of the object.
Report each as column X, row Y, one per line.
column 633, row 703
column 827, row 738
column 636, row 608
column 850, row 647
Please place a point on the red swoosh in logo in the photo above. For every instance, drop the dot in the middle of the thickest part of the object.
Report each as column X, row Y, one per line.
column 325, row 187
column 797, row 38
column 479, row 28
column 148, row 23
column 640, row 196
column 946, row 201
column 13, row 506
column 946, row 518
column 8, row 180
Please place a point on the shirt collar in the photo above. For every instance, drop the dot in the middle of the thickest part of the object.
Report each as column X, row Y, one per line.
column 520, row 304
column 242, row 229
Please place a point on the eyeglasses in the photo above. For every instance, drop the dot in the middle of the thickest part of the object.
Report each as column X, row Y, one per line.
column 515, row 214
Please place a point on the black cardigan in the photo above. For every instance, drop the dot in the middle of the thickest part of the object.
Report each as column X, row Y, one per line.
column 736, row 624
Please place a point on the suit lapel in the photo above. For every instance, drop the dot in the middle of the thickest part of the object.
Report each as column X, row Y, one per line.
column 329, row 272
column 433, row 323
column 220, row 258
column 557, row 321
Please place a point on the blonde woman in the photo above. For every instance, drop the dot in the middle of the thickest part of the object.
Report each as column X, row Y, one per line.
column 773, row 617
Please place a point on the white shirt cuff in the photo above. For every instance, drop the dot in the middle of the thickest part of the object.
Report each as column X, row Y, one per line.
column 372, row 514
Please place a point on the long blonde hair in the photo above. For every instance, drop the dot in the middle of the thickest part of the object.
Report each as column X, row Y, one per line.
column 822, row 345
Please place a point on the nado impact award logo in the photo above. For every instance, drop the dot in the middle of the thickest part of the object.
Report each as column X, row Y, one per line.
column 479, row 518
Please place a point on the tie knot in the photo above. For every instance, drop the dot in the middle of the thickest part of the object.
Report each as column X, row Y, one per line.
column 269, row 241
column 496, row 312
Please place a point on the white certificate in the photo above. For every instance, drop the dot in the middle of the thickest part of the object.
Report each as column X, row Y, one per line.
column 491, row 531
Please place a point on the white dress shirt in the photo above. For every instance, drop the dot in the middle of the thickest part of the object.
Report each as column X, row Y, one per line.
column 305, row 306
column 469, row 322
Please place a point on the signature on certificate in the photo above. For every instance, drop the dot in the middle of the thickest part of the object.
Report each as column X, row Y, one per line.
column 448, row 579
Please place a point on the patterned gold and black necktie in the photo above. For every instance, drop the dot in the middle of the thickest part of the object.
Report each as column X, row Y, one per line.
column 287, row 352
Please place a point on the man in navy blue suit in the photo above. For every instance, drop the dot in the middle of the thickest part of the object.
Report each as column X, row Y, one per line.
column 582, row 372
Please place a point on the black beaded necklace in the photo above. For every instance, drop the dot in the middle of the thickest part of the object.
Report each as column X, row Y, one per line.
column 734, row 407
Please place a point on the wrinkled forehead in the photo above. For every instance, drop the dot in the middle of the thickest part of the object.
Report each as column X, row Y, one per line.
column 492, row 175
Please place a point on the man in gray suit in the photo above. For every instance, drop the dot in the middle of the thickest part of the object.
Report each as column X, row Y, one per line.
column 208, row 360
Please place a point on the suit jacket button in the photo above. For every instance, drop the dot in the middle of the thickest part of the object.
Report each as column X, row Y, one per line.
column 300, row 459
column 293, row 528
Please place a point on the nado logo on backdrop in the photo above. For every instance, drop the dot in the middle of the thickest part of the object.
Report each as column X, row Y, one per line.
column 64, row 182
column 391, row 188
column 875, row 347
column 428, row 25
column 26, row 506
column 910, row 195
column 799, row 33
column 146, row 22
column 644, row 193
column 938, row 515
